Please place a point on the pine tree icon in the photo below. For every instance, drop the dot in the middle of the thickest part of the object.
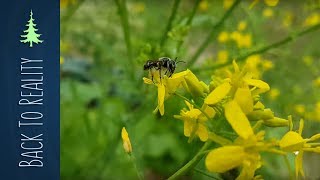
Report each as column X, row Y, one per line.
column 31, row 36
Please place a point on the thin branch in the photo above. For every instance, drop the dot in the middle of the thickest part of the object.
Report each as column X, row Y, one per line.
column 263, row 49
column 213, row 33
column 207, row 174
column 169, row 25
column 189, row 21
column 187, row 167
column 122, row 8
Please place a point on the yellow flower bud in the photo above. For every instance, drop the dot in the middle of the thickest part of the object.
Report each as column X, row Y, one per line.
column 195, row 87
column 276, row 122
column 257, row 115
column 126, row 141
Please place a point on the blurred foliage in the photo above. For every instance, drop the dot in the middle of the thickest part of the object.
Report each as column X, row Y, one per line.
column 102, row 89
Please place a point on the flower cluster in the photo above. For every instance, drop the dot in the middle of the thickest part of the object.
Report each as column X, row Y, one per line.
column 234, row 99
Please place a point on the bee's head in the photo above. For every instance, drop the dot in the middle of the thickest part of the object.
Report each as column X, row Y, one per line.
column 147, row 65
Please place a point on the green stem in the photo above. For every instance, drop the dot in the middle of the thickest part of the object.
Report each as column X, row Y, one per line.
column 187, row 167
column 288, row 166
column 263, row 49
column 133, row 160
column 213, row 33
column 70, row 12
column 194, row 104
column 169, row 25
column 122, row 8
column 189, row 21
column 206, row 174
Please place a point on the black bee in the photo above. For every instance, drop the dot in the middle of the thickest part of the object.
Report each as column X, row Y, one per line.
column 163, row 63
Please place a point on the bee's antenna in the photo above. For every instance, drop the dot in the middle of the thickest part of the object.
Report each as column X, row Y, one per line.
column 180, row 62
column 175, row 60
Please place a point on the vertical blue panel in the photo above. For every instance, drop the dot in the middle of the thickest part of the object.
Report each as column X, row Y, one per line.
column 35, row 144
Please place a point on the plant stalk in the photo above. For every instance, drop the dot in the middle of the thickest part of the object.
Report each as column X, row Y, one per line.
column 213, row 33
column 263, row 49
column 169, row 25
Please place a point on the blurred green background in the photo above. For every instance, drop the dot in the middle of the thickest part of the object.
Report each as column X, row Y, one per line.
column 102, row 89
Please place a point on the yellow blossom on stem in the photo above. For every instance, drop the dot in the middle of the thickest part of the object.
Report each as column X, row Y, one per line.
column 126, row 141
column 223, row 56
column 65, row 3
column 195, row 121
column 271, row 2
column 244, row 152
column 223, row 37
column 166, row 86
column 203, row 6
column 227, row 4
column 294, row 142
column 274, row 93
column 242, row 25
column 312, row 19
column 267, row 2
column 267, row 12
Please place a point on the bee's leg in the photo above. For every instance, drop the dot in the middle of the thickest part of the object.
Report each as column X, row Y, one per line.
column 167, row 72
column 160, row 74
column 151, row 75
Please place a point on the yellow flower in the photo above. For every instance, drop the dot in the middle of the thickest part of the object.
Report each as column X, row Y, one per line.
column 166, row 86
column 312, row 19
column 244, row 41
column 300, row 109
column 288, row 19
column 267, row 2
column 267, row 12
column 316, row 82
column 295, row 143
column 65, row 3
column 227, row 4
column 203, row 6
column 271, row 2
column 240, row 86
column 223, row 56
column 223, row 37
column 242, row 25
column 194, row 121
column 138, row 7
column 253, row 63
column 267, row 65
column 126, row 141
column 244, row 152
column 308, row 60
column 274, row 93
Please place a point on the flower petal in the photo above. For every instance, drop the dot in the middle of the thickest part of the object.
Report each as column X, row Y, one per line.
column 202, row 132
column 263, row 86
column 225, row 158
column 147, row 80
column 298, row 164
column 161, row 95
column 244, row 99
column 291, row 142
column 238, row 120
column 218, row 93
